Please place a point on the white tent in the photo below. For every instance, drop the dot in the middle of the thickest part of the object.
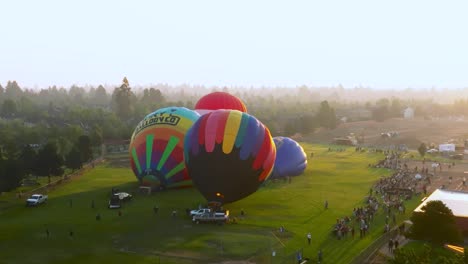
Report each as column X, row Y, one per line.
column 447, row 147
column 408, row 113
column 455, row 200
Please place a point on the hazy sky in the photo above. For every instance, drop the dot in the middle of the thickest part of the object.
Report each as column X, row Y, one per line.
column 381, row 44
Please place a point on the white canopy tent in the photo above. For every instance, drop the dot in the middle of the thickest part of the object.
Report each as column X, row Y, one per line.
column 455, row 200
column 447, row 147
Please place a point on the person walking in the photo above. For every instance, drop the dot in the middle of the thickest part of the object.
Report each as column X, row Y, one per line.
column 156, row 209
column 326, row 204
column 390, row 246
column 47, row 232
column 396, row 244
column 309, row 238
column 320, row 256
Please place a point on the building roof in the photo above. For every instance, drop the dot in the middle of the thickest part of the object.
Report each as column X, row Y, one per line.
column 455, row 200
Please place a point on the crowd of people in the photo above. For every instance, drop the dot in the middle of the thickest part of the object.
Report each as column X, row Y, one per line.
column 389, row 194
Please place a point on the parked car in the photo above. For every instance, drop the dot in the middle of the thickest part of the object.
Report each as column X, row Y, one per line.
column 200, row 211
column 123, row 196
column 115, row 202
column 36, row 199
column 117, row 198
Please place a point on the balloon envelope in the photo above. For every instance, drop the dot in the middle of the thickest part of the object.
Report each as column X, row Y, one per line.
column 217, row 101
column 156, row 147
column 291, row 159
column 228, row 155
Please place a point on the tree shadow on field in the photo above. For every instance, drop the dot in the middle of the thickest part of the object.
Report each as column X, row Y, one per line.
column 134, row 228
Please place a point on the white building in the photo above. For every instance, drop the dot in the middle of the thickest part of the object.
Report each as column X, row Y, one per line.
column 408, row 113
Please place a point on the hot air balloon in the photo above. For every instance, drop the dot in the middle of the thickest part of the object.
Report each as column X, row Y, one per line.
column 156, row 148
column 228, row 155
column 291, row 160
column 219, row 100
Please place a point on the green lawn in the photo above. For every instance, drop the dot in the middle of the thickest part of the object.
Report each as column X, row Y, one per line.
column 140, row 236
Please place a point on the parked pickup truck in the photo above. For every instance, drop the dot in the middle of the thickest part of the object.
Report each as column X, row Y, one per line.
column 36, row 199
column 200, row 211
column 218, row 217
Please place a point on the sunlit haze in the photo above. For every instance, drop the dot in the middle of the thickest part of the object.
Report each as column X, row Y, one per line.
column 379, row 44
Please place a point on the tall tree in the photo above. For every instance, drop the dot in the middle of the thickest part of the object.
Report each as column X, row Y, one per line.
column 11, row 174
column 49, row 162
column 12, row 90
column 96, row 136
column 9, row 108
column 326, row 116
column 101, row 95
column 422, row 149
column 122, row 100
column 396, row 108
column 436, row 224
column 73, row 159
column 156, row 96
column 84, row 147
column 28, row 158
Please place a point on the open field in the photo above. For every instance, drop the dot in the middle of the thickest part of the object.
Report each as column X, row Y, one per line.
column 412, row 132
column 141, row 236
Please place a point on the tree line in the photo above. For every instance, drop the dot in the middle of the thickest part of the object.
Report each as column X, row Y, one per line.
column 57, row 117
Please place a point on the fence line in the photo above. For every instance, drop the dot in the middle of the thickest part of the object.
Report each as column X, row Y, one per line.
column 365, row 256
column 50, row 186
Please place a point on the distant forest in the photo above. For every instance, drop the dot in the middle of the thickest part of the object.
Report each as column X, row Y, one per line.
column 67, row 125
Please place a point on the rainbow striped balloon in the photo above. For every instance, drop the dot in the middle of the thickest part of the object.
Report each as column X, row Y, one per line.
column 228, row 154
column 156, row 147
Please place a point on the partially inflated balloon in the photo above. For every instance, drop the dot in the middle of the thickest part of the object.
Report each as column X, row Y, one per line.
column 217, row 101
column 291, row 160
column 228, row 155
column 156, row 147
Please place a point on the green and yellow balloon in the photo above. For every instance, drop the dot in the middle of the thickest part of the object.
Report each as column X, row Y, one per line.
column 157, row 148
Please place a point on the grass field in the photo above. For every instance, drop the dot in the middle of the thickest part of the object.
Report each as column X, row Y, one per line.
column 140, row 236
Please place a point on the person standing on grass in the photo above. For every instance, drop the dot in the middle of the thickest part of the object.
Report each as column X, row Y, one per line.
column 396, row 244
column 326, row 204
column 320, row 256
column 309, row 238
column 390, row 245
